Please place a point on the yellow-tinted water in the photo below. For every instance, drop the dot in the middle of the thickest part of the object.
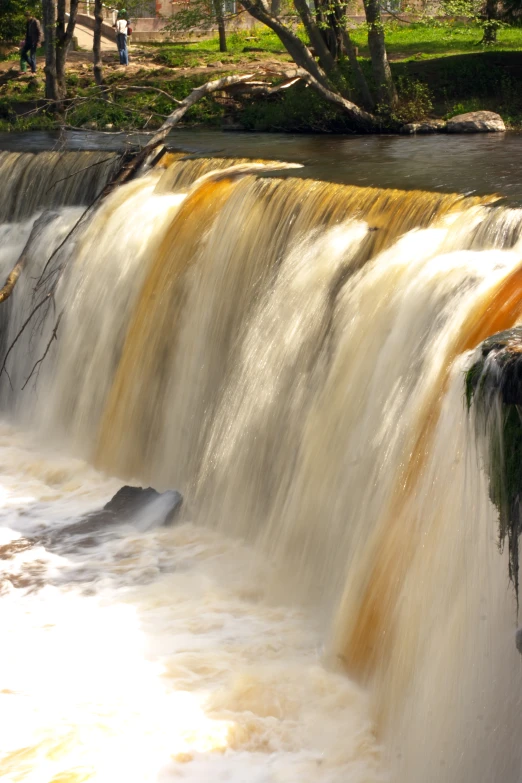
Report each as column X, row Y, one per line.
column 290, row 354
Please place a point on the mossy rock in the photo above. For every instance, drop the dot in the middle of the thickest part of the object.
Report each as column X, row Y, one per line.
column 493, row 385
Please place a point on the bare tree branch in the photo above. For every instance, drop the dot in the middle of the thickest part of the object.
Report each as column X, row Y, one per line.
column 41, row 359
column 86, row 168
column 133, row 88
column 20, row 332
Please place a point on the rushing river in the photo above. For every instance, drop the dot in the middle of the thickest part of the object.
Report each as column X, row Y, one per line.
column 288, row 349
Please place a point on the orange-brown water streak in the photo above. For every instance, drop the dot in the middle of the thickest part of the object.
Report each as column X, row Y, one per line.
column 150, row 341
column 366, row 640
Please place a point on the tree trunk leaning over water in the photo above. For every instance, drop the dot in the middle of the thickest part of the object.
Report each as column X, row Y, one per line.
column 327, row 72
column 316, row 37
column 295, row 47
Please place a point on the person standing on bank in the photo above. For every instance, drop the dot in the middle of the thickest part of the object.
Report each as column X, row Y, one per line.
column 122, row 31
column 33, row 38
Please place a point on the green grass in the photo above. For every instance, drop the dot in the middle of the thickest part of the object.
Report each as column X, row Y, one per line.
column 418, row 41
column 425, row 41
column 195, row 53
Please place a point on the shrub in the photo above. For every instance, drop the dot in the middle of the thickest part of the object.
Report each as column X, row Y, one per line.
column 415, row 100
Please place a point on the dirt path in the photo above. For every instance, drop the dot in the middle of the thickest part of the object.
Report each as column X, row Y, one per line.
column 85, row 36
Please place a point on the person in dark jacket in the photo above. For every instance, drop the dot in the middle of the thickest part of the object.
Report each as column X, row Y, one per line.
column 33, row 38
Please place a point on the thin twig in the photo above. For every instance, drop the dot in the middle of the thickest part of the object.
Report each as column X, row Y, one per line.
column 149, row 89
column 22, row 329
column 66, row 238
column 86, row 168
column 41, row 359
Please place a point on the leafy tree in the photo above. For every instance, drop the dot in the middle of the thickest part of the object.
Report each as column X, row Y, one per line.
column 329, row 16
column 203, row 15
column 12, row 17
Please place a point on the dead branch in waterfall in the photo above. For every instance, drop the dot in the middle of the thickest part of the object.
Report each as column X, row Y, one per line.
column 80, row 171
column 39, row 362
column 43, row 279
column 14, row 274
column 22, row 329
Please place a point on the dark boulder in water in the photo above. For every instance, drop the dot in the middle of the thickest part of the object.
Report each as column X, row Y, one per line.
column 133, row 505
column 131, row 500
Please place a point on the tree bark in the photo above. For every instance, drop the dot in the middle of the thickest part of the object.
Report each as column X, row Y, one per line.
column 64, row 34
column 49, row 20
column 218, row 10
column 275, row 7
column 362, row 120
column 382, row 75
column 294, row 46
column 331, row 18
column 96, row 42
column 490, row 30
column 316, row 38
column 361, row 85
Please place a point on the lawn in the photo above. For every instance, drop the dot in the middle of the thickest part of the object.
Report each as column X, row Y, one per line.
column 435, row 39
column 418, row 41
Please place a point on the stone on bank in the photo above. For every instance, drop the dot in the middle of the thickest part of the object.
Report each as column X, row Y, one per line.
column 476, row 122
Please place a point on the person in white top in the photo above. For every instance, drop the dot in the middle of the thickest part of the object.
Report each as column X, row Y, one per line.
column 122, row 30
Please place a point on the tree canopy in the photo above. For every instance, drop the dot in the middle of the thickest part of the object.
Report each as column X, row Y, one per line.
column 12, row 17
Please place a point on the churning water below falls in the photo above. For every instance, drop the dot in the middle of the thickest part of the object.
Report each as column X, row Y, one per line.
column 331, row 605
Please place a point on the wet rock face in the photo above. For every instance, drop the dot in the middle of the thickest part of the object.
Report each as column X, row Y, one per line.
column 131, row 500
column 494, row 390
column 476, row 122
column 127, row 505
column 500, row 369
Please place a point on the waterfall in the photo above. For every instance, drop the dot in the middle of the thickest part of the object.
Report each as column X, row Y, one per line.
column 32, row 181
column 291, row 354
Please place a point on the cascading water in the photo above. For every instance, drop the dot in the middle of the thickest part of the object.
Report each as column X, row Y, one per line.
column 290, row 354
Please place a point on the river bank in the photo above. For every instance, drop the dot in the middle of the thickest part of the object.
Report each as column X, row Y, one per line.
column 440, row 72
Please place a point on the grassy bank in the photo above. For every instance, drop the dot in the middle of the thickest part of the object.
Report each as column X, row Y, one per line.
column 441, row 70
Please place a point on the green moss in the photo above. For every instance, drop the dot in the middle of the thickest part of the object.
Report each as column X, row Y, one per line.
column 505, row 482
column 472, row 377
column 493, row 386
